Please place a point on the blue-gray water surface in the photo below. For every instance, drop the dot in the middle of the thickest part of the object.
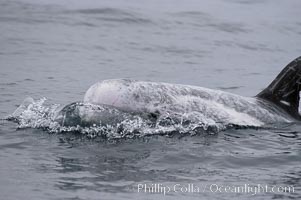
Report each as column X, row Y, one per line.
column 57, row 49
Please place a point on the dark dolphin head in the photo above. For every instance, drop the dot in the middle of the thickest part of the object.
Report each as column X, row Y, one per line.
column 69, row 115
column 86, row 115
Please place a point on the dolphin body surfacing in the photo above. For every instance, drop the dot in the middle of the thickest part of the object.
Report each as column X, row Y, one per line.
column 279, row 102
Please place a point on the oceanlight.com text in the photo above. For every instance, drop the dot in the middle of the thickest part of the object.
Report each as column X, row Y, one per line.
column 252, row 189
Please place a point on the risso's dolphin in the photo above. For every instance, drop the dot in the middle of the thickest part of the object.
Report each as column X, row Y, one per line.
column 118, row 99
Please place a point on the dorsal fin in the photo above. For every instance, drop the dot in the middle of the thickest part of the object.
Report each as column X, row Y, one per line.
column 284, row 89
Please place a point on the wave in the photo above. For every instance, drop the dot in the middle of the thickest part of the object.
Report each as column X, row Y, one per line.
column 114, row 15
column 204, row 20
column 104, row 11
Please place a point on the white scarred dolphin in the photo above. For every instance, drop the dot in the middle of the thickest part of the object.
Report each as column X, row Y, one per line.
column 279, row 102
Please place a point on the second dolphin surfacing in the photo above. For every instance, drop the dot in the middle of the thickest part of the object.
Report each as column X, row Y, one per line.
column 114, row 100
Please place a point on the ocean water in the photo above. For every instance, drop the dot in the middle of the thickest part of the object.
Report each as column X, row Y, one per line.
column 57, row 49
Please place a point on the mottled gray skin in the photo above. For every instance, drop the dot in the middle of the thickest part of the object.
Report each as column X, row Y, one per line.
column 203, row 104
column 112, row 101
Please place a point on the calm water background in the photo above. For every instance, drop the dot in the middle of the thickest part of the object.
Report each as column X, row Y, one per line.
column 57, row 49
